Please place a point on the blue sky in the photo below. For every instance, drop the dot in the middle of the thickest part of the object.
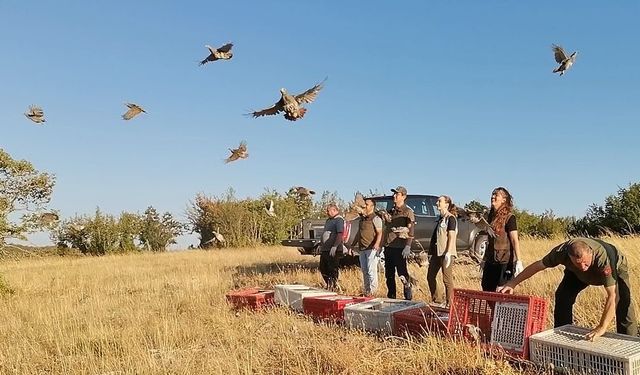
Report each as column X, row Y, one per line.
column 441, row 97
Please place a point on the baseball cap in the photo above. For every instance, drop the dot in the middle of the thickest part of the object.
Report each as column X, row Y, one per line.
column 400, row 189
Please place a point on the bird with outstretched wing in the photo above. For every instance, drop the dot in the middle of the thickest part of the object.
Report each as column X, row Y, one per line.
column 133, row 111
column 222, row 53
column 291, row 105
column 238, row 153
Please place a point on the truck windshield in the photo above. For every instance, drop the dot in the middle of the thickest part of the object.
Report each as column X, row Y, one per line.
column 423, row 206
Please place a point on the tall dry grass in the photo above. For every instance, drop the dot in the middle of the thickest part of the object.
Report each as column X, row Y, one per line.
column 166, row 314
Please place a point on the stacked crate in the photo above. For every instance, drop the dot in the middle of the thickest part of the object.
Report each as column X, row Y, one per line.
column 566, row 348
column 250, row 298
column 433, row 319
column 497, row 320
column 329, row 307
column 376, row 315
column 292, row 295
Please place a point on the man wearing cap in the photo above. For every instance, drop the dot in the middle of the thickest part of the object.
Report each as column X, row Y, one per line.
column 398, row 237
column 587, row 262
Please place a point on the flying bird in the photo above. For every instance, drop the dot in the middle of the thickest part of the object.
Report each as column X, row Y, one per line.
column 359, row 203
column 35, row 114
column 49, row 218
column 356, row 207
column 562, row 59
column 302, row 191
column 217, row 238
column 222, row 53
column 291, row 105
column 238, row 153
column 133, row 111
column 270, row 209
column 76, row 227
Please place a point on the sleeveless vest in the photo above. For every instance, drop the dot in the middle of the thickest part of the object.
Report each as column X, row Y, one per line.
column 502, row 251
column 366, row 232
column 441, row 237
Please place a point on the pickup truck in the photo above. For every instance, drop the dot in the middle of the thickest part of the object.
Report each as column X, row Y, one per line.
column 472, row 238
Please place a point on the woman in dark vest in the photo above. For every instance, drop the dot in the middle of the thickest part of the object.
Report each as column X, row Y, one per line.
column 443, row 249
column 502, row 260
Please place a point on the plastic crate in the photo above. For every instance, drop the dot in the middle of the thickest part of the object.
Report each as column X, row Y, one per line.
column 566, row 348
column 329, row 307
column 496, row 320
column 251, row 298
column 422, row 320
column 292, row 295
column 376, row 315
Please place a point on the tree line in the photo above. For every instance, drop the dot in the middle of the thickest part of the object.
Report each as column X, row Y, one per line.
column 25, row 194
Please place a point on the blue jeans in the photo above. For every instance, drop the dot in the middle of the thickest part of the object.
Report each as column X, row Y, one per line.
column 369, row 266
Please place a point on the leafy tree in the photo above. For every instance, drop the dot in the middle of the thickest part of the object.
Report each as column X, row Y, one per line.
column 620, row 214
column 100, row 234
column 156, row 233
column 129, row 229
column 326, row 198
column 24, row 193
column 476, row 206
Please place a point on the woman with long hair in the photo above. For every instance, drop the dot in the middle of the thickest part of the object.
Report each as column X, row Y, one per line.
column 502, row 260
column 443, row 249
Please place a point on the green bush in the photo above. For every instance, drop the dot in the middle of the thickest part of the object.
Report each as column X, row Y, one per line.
column 155, row 232
column 103, row 233
column 245, row 222
column 620, row 214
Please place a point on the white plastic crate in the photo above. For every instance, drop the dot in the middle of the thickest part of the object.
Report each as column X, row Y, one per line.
column 376, row 315
column 565, row 347
column 509, row 325
column 292, row 295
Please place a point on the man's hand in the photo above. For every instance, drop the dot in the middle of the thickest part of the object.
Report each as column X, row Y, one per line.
column 447, row 260
column 596, row 332
column 519, row 267
column 506, row 289
column 333, row 250
column 406, row 251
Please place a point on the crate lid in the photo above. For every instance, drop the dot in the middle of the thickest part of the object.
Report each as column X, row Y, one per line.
column 610, row 344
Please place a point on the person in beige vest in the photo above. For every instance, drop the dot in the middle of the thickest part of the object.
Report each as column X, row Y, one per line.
column 443, row 249
column 368, row 242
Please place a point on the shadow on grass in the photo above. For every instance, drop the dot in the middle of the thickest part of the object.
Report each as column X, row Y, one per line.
column 275, row 268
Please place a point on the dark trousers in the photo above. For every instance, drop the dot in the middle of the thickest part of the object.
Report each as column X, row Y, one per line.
column 435, row 265
column 495, row 274
column 571, row 286
column 393, row 260
column 329, row 269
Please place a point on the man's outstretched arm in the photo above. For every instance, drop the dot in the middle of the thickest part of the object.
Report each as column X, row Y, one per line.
column 531, row 270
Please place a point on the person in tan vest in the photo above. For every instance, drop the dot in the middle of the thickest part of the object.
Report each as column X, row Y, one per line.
column 502, row 261
column 443, row 249
column 368, row 241
column 399, row 232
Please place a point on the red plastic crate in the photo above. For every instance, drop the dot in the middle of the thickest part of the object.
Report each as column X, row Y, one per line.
column 251, row 298
column 422, row 320
column 329, row 307
column 496, row 320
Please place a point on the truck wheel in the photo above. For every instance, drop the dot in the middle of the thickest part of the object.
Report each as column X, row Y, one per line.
column 480, row 247
column 349, row 261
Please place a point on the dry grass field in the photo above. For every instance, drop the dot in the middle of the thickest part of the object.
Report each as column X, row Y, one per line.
column 166, row 314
